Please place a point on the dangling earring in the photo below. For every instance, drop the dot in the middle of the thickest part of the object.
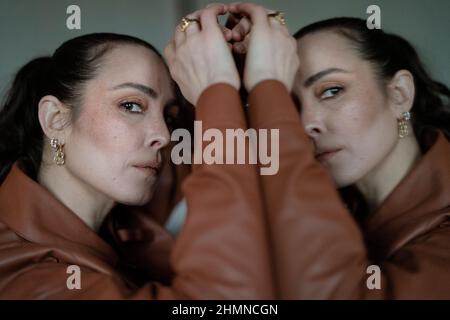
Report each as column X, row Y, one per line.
column 403, row 129
column 59, row 157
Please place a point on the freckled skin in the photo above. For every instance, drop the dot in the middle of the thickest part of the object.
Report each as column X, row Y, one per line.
column 359, row 119
column 106, row 141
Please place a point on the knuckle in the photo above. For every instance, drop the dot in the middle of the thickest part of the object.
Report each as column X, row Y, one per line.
column 260, row 10
column 245, row 24
column 201, row 13
column 214, row 4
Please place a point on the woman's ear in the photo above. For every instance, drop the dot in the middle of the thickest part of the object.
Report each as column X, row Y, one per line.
column 54, row 118
column 401, row 92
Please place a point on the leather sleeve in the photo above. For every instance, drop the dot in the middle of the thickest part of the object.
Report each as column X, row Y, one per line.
column 319, row 251
column 222, row 251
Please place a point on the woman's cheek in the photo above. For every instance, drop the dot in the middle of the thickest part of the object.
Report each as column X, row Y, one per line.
column 110, row 132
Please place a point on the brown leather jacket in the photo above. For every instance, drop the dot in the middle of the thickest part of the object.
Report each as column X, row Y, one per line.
column 222, row 251
column 320, row 252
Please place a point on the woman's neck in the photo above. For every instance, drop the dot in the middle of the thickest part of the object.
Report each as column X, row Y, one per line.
column 382, row 180
column 88, row 204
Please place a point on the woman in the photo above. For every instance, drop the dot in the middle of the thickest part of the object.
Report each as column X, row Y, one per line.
column 379, row 131
column 83, row 131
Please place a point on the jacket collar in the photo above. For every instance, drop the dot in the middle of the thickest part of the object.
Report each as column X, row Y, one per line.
column 419, row 203
column 33, row 213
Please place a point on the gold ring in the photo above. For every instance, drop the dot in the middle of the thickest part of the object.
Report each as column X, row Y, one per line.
column 279, row 16
column 186, row 22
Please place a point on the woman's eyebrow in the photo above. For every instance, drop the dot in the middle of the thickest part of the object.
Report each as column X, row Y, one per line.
column 321, row 74
column 144, row 89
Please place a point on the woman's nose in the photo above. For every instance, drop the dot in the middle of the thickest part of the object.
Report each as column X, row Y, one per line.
column 313, row 122
column 160, row 136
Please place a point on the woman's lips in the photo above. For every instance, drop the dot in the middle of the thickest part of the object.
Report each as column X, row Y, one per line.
column 326, row 155
column 148, row 170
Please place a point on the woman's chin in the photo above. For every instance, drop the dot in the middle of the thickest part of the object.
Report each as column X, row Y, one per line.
column 136, row 199
column 342, row 180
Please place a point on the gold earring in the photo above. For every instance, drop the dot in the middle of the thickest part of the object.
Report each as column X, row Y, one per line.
column 59, row 157
column 403, row 128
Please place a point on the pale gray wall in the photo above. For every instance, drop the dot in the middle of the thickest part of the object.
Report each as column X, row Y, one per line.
column 29, row 28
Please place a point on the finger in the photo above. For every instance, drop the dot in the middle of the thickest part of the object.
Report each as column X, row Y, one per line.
column 241, row 29
column 274, row 23
column 226, row 33
column 179, row 37
column 233, row 11
column 241, row 47
column 180, row 34
column 209, row 5
column 194, row 26
column 209, row 15
column 257, row 14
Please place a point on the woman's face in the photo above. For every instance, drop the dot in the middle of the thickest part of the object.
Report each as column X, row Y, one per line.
column 114, row 144
column 343, row 108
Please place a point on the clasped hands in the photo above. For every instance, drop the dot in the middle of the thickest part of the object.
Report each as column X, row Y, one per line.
column 200, row 52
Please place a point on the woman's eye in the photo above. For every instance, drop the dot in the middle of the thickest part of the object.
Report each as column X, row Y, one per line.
column 132, row 107
column 331, row 92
